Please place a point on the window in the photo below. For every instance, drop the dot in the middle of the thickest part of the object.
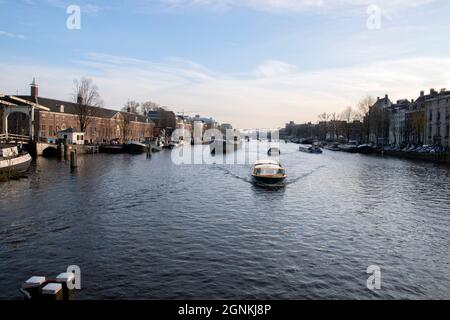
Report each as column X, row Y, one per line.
column 439, row 116
column 431, row 115
column 448, row 131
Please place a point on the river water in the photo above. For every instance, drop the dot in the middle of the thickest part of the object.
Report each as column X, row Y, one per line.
column 149, row 229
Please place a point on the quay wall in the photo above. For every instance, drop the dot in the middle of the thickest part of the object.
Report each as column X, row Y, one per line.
column 37, row 149
column 435, row 157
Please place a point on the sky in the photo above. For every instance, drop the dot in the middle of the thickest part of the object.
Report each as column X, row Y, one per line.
column 251, row 63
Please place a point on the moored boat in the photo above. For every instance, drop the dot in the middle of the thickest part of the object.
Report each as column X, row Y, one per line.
column 137, row 147
column 113, row 148
column 350, row 147
column 274, row 152
column 310, row 149
column 268, row 172
column 14, row 160
column 333, row 147
column 157, row 145
column 366, row 149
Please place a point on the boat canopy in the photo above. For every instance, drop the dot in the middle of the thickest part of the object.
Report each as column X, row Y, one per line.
column 267, row 162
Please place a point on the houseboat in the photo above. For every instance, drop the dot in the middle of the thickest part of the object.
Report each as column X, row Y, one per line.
column 136, row 147
column 366, row 149
column 333, row 147
column 350, row 147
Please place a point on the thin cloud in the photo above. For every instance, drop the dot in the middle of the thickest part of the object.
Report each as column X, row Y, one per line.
column 11, row 35
column 294, row 5
column 268, row 98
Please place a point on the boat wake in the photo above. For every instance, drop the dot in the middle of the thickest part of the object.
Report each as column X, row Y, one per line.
column 230, row 173
column 303, row 176
column 283, row 184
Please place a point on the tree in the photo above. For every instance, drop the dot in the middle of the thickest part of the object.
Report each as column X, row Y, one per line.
column 363, row 114
column 348, row 115
column 125, row 126
column 323, row 125
column 150, row 106
column 418, row 126
column 131, row 107
column 87, row 99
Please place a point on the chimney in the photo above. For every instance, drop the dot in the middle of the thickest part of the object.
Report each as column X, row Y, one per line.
column 386, row 97
column 432, row 91
column 34, row 89
column 80, row 99
column 422, row 93
column 378, row 98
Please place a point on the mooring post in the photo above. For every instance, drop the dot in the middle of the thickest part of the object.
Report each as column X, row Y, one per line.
column 60, row 151
column 33, row 287
column 67, row 281
column 52, row 292
column 73, row 159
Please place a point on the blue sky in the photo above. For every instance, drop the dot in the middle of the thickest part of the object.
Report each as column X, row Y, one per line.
column 249, row 62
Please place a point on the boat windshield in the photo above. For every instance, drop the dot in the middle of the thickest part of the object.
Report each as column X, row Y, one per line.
column 268, row 171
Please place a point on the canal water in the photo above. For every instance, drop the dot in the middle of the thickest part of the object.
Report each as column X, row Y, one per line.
column 149, row 229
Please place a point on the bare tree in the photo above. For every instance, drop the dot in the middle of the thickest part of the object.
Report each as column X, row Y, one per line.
column 348, row 115
column 150, row 106
column 131, row 106
column 363, row 114
column 125, row 127
column 418, row 126
column 87, row 98
column 323, row 125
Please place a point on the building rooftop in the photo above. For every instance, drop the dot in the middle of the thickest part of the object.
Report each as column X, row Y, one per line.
column 72, row 108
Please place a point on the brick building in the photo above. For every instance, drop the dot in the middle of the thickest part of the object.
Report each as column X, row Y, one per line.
column 104, row 125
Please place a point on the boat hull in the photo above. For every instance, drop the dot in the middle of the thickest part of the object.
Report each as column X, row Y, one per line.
column 17, row 164
column 113, row 149
column 137, row 148
column 268, row 181
column 365, row 149
column 310, row 151
column 348, row 148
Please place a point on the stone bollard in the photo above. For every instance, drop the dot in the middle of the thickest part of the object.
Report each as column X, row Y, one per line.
column 73, row 159
column 33, row 287
column 52, row 292
column 67, row 280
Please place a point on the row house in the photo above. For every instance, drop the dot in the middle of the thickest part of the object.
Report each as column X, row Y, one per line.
column 397, row 123
column 437, row 111
column 377, row 120
column 423, row 121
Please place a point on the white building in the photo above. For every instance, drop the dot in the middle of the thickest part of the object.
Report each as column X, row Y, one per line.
column 397, row 122
column 437, row 111
column 71, row 136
